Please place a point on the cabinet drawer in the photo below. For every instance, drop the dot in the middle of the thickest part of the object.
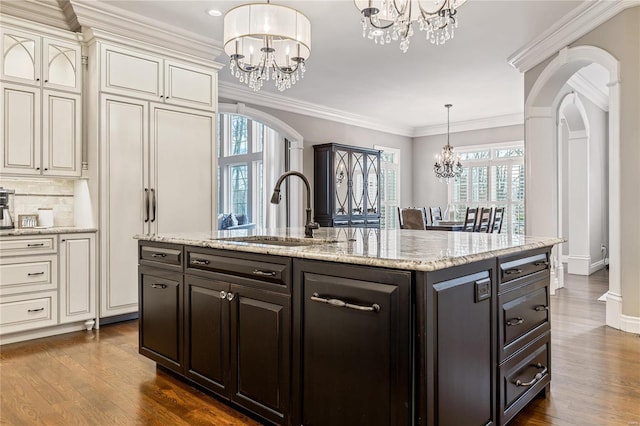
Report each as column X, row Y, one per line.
column 512, row 268
column 269, row 269
column 26, row 312
column 28, row 273
column 523, row 377
column 523, row 316
column 162, row 255
column 29, row 245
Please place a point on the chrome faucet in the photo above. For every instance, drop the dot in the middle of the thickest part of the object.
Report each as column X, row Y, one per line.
column 275, row 199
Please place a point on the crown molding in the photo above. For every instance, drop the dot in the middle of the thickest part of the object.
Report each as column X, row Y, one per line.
column 47, row 12
column 568, row 29
column 102, row 16
column 241, row 93
column 589, row 91
column 40, row 28
column 469, row 125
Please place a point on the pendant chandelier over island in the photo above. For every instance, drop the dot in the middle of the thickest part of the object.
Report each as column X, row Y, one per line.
column 448, row 165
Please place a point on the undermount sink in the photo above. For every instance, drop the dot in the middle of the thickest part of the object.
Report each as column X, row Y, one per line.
column 277, row 241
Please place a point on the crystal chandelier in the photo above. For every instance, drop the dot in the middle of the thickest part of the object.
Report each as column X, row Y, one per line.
column 447, row 164
column 267, row 42
column 386, row 20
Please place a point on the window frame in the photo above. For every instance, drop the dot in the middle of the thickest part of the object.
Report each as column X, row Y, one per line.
column 389, row 210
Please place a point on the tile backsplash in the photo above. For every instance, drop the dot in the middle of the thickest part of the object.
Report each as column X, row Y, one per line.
column 34, row 193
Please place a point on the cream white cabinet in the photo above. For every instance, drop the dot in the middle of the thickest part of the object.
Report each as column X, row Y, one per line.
column 45, row 62
column 20, row 130
column 61, row 133
column 146, row 76
column 77, row 285
column 156, row 174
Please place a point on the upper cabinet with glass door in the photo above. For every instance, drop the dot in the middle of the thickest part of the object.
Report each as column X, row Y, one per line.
column 41, row 61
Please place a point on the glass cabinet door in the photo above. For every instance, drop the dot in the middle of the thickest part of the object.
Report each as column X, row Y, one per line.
column 357, row 183
column 372, row 184
column 341, row 185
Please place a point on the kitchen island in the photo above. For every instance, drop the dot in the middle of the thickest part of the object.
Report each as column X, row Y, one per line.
column 355, row 326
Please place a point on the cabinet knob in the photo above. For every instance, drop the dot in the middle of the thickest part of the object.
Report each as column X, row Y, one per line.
column 37, row 168
column 46, row 81
column 223, row 294
column 37, row 79
column 230, row 296
column 161, row 96
column 46, row 168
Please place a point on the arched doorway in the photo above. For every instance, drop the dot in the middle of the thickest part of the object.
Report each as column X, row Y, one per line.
column 541, row 147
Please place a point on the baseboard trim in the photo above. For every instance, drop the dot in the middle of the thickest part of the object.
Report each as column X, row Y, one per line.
column 22, row 336
column 630, row 324
column 118, row 318
column 579, row 265
column 596, row 266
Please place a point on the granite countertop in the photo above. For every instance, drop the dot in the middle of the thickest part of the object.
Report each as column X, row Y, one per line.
column 45, row 231
column 399, row 249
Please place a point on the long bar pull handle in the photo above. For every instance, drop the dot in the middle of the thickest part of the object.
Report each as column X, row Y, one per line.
column 35, row 245
column 539, row 308
column 535, row 378
column 35, row 310
column 260, row 273
column 513, row 271
column 161, row 286
column 515, row 321
column 35, row 274
column 199, row 262
column 153, row 204
column 146, row 205
column 342, row 304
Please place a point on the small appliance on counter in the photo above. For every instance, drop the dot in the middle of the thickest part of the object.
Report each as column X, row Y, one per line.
column 6, row 208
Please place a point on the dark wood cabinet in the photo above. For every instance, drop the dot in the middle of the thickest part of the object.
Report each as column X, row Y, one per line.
column 346, row 185
column 456, row 349
column 352, row 343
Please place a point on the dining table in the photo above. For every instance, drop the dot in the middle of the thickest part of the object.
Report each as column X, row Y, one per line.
column 445, row 225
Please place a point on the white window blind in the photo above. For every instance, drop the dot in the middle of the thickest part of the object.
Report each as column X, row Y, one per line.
column 389, row 187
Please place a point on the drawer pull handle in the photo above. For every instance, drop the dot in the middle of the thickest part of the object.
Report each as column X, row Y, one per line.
column 513, row 271
column 544, row 263
column 34, row 274
column 515, row 321
column 540, row 308
column 35, row 245
column 159, row 255
column 535, row 378
column 342, row 304
column 199, row 262
column 35, row 310
column 264, row 273
column 161, row 286
column 223, row 295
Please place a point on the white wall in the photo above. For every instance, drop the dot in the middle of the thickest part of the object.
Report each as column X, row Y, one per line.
column 427, row 189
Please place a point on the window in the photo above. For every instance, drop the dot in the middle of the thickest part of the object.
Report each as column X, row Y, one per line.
column 492, row 177
column 389, row 187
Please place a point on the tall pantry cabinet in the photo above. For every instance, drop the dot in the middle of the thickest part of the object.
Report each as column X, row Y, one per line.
column 153, row 134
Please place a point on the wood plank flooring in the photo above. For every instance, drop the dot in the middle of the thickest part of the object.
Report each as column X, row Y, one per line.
column 98, row 378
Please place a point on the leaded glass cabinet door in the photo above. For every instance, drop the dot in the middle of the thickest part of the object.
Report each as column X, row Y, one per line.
column 342, row 181
column 62, row 65
column 373, row 194
column 357, row 183
column 20, row 56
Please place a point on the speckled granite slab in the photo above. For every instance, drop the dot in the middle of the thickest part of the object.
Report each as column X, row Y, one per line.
column 399, row 249
column 45, row 231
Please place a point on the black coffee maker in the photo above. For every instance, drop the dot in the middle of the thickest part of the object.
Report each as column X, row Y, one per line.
column 6, row 208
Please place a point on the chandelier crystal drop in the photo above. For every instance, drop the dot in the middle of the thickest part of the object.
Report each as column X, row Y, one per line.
column 267, row 42
column 448, row 165
column 387, row 20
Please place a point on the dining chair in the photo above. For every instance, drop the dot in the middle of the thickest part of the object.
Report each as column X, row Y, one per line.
column 435, row 213
column 413, row 218
column 498, row 217
column 470, row 218
column 484, row 220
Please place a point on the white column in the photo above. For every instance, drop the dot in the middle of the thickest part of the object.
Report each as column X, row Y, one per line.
column 579, row 260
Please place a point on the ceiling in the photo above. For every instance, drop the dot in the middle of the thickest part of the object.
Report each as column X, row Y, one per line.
column 350, row 74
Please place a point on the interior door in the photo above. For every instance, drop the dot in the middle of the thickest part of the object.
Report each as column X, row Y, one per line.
column 181, row 152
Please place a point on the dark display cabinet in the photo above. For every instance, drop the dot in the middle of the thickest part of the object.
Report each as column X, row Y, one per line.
column 347, row 185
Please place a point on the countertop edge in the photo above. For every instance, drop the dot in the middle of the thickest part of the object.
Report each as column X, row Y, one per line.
column 46, row 231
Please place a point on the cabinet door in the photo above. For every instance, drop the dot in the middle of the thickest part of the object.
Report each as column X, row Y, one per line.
column 373, row 185
column 181, row 169
column 77, row 277
column 207, row 333
column 62, row 65
column 21, row 56
column 161, row 317
column 189, row 86
column 20, row 129
column 260, row 342
column 354, row 334
column 131, row 73
column 342, row 181
column 62, row 134
column 124, row 177
column 357, row 184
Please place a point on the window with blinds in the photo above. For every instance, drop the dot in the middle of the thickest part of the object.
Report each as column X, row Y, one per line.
column 389, row 187
column 492, row 177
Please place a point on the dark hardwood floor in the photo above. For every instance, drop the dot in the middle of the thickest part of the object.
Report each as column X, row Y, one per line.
column 98, row 378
